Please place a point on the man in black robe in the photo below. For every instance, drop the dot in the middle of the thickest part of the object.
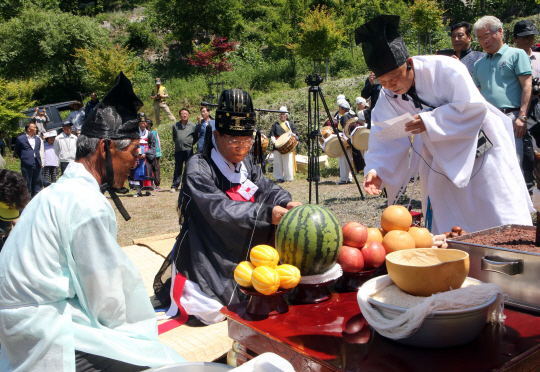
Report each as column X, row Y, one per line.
column 227, row 207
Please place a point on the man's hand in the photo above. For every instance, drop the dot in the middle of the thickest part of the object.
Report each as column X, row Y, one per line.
column 416, row 126
column 199, row 119
column 372, row 184
column 293, row 204
column 520, row 128
column 372, row 78
column 277, row 214
column 455, row 57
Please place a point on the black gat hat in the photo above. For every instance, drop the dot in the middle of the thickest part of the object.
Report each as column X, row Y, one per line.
column 235, row 115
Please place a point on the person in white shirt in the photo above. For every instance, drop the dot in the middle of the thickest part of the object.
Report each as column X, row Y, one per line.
column 49, row 158
column 65, row 146
column 76, row 116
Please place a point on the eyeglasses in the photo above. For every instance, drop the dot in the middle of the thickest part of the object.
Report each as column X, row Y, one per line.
column 237, row 143
column 486, row 36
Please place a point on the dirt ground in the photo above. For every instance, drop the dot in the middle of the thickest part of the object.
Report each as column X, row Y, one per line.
column 156, row 215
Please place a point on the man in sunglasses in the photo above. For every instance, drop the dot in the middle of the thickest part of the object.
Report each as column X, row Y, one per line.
column 227, row 207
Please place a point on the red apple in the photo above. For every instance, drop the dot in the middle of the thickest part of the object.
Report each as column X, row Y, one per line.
column 351, row 259
column 374, row 255
column 354, row 234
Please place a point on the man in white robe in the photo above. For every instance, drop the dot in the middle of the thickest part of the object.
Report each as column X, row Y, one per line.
column 475, row 193
column 70, row 298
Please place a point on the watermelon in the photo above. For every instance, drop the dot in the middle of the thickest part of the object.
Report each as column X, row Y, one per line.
column 310, row 238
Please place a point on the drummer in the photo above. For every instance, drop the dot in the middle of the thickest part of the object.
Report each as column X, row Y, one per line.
column 344, row 114
column 363, row 111
column 284, row 164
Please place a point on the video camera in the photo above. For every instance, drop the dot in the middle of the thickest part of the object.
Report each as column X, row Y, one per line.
column 314, row 80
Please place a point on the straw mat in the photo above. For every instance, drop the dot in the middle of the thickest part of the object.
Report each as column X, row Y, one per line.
column 161, row 244
column 147, row 262
column 199, row 344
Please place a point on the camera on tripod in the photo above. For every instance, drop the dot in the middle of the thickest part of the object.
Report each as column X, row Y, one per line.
column 536, row 86
column 314, row 80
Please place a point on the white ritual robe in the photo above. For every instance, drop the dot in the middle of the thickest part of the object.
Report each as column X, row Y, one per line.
column 66, row 285
column 478, row 193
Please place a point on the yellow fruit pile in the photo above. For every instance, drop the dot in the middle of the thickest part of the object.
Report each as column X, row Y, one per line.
column 263, row 272
column 397, row 231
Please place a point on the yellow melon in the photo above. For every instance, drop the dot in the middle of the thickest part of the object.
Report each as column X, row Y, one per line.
column 374, row 235
column 243, row 272
column 422, row 237
column 396, row 217
column 265, row 280
column 397, row 240
column 289, row 276
column 264, row 255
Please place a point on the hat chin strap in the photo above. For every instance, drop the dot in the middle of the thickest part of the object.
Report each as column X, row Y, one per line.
column 110, row 181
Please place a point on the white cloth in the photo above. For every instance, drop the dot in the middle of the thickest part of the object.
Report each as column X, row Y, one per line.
column 76, row 118
column 267, row 362
column 235, row 173
column 283, row 166
column 407, row 323
column 341, row 96
column 67, row 285
column 343, row 103
column 344, row 169
column 480, row 193
column 32, row 142
column 65, row 147
column 536, row 199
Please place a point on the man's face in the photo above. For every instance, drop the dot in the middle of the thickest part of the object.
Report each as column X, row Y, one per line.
column 399, row 80
column 67, row 129
column 93, row 97
column 31, row 129
column 142, row 125
column 491, row 41
column 184, row 115
column 205, row 114
column 231, row 148
column 283, row 117
column 41, row 113
column 524, row 42
column 342, row 110
column 361, row 106
column 460, row 40
column 123, row 161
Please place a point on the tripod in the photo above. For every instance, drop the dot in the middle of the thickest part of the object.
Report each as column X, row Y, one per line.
column 314, row 94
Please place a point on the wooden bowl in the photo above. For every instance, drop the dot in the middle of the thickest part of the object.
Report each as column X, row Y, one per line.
column 426, row 271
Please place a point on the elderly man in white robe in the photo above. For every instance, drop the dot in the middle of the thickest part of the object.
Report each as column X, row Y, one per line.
column 70, row 298
column 462, row 183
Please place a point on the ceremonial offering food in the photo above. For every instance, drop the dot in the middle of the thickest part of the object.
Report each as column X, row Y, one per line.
column 374, row 235
column 264, row 255
column 374, row 255
column 422, row 237
column 243, row 272
column 398, row 240
column 289, row 276
column 354, row 234
column 265, row 280
column 310, row 238
column 351, row 259
column 396, row 217
column 425, row 271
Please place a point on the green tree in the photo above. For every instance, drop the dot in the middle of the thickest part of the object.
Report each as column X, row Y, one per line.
column 103, row 64
column 426, row 16
column 189, row 20
column 15, row 96
column 12, row 8
column 43, row 43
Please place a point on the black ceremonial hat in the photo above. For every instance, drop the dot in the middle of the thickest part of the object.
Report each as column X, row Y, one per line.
column 383, row 47
column 115, row 117
column 235, row 115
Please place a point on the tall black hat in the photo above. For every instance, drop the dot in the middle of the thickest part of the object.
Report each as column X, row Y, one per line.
column 235, row 115
column 114, row 118
column 383, row 47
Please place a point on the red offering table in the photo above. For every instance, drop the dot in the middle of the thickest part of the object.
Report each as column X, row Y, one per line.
column 311, row 338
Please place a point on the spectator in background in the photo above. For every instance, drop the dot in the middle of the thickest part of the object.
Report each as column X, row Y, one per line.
column 203, row 121
column 284, row 164
column 156, row 165
column 143, row 174
column 159, row 95
column 65, row 146
column 2, row 144
column 13, row 197
column 27, row 148
column 91, row 104
column 50, row 159
column 76, row 117
column 461, row 37
column 371, row 90
column 41, row 119
column 184, row 136
column 503, row 76
column 363, row 111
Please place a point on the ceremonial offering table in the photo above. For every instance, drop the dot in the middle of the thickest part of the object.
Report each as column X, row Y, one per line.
column 311, row 337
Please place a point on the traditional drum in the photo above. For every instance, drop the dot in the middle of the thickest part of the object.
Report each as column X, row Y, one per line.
column 326, row 132
column 329, row 142
column 264, row 145
column 286, row 143
column 360, row 138
column 351, row 125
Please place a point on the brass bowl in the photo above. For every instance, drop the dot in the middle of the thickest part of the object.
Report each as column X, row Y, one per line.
column 426, row 271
